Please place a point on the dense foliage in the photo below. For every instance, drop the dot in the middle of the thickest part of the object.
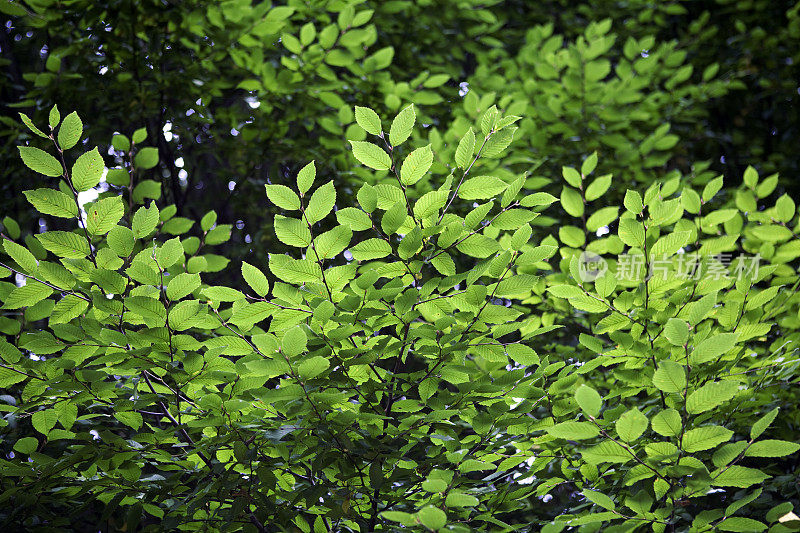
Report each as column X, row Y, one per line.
column 376, row 266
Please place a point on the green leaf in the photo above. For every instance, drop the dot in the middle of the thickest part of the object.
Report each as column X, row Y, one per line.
column 602, row 217
column 29, row 123
column 120, row 142
column 368, row 120
column 416, row 165
column 479, row 246
column 23, row 257
column 9, row 353
column 772, row 448
column 600, row 499
column 145, row 221
column 312, row 367
column 571, row 176
column 69, row 307
column 367, row 198
column 460, row 499
column 430, row 203
column 598, row 187
column 146, row 158
column 255, row 278
column 743, row 502
column 710, row 396
column 370, row 249
column 217, row 235
column 760, row 425
column 151, row 310
column 712, row 188
column 399, row 516
column 572, row 202
column 465, row 149
column 574, row 430
column 292, row 231
column 222, row 294
column 394, row 217
column 670, row 377
column 669, row 245
column 738, row 523
column 321, row 203
column 130, row 418
column 104, row 215
column 64, row 244
column 589, row 164
column 8, row 377
column 402, row 126
column 54, row 117
column 26, row 444
column 432, row 517
column 146, row 189
column 139, row 135
column 182, row 315
column 606, row 452
column 537, row 199
column 283, row 197
column 565, row 291
column 772, row 232
column 182, row 285
column 476, row 216
column 444, row 264
column 45, row 420
column 481, row 188
column 513, row 219
column 27, row 295
column 306, row 177
column 87, row 170
column 667, row 423
column 700, row 309
column 750, row 177
column 713, row 347
column 605, row 284
column 294, row 270
column 589, row 400
column 294, row 341
column 169, row 253
column 633, row 202
column 521, row 236
column 40, row 161
column 53, row 202
column 631, row 424
column 371, row 155
column 705, row 438
column 676, row 331
column 489, row 119
column 70, row 131
column 354, row 218
column 333, row 242
column 739, row 476
column 631, row 232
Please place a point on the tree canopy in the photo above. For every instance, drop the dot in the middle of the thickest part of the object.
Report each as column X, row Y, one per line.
column 346, row 265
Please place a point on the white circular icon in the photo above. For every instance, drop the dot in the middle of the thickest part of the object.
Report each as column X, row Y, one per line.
column 591, row 266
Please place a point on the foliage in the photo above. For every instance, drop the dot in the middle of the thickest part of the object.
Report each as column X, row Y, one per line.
column 379, row 381
column 276, row 88
column 349, row 265
column 254, row 106
column 582, row 96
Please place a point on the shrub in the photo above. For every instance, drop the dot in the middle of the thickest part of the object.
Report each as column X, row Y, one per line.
column 424, row 361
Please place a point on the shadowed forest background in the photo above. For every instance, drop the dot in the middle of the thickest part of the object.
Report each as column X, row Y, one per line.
column 238, row 93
